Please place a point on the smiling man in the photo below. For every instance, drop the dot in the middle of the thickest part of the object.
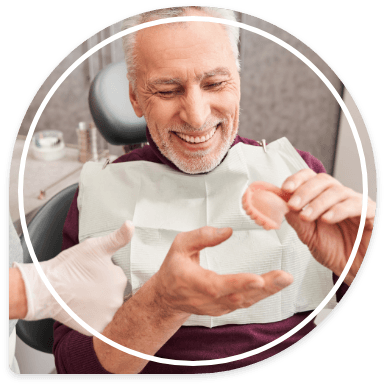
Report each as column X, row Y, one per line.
column 184, row 79
column 191, row 106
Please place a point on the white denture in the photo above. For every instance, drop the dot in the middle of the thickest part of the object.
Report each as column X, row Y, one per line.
column 190, row 139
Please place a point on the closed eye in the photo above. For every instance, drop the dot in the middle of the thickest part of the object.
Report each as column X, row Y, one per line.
column 170, row 93
column 215, row 85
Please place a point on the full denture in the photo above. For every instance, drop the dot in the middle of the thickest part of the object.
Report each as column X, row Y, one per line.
column 266, row 204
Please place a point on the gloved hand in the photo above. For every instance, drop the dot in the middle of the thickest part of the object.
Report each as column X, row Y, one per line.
column 85, row 278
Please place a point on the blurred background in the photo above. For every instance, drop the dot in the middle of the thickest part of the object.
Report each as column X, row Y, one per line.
column 280, row 97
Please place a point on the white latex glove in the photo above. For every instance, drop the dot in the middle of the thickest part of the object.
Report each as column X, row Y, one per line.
column 85, row 278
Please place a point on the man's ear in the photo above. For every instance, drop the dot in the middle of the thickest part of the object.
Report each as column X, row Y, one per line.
column 134, row 101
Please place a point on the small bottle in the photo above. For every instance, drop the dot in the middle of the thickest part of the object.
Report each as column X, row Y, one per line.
column 83, row 142
column 94, row 142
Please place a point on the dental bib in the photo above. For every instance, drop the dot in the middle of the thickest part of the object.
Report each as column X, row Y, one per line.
column 162, row 202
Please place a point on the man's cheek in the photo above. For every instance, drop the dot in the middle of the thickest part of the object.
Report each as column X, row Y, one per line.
column 160, row 112
column 227, row 104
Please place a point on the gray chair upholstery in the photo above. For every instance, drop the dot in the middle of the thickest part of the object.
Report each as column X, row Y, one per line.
column 111, row 109
column 45, row 231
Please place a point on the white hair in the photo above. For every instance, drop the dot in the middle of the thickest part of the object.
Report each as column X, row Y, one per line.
column 129, row 39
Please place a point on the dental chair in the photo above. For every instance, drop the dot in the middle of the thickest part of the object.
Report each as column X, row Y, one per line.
column 115, row 119
column 111, row 108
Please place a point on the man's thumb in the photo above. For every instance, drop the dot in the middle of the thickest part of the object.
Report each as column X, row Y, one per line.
column 117, row 239
column 194, row 241
column 301, row 227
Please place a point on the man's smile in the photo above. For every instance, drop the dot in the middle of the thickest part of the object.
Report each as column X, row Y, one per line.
column 196, row 141
column 199, row 138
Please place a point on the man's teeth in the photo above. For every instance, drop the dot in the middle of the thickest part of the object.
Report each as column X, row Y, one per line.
column 191, row 139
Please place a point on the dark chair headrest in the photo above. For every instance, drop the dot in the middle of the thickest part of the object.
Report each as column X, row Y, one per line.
column 111, row 108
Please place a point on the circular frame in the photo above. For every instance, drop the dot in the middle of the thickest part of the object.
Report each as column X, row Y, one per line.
column 364, row 183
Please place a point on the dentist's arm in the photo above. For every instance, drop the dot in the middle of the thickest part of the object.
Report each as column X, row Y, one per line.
column 17, row 297
column 85, row 278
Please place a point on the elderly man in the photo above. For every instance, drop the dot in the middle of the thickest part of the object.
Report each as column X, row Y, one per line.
column 184, row 80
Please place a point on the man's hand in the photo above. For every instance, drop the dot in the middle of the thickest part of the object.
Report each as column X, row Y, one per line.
column 329, row 221
column 85, row 278
column 180, row 288
column 185, row 287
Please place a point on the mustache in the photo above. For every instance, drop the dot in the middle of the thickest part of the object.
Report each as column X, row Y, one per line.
column 186, row 128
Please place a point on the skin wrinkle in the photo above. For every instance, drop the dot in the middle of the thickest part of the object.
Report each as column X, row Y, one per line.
column 179, row 92
column 198, row 78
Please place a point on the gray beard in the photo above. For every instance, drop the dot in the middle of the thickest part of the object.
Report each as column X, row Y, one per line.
column 197, row 163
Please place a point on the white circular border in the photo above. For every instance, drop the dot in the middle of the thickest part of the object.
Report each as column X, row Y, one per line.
column 364, row 183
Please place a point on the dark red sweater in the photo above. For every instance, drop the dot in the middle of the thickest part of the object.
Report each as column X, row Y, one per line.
column 74, row 352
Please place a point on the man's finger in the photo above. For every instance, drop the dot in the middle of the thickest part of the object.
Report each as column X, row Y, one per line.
column 269, row 284
column 118, row 239
column 352, row 207
column 314, row 188
column 275, row 281
column 194, row 241
column 297, row 179
column 325, row 201
column 223, row 285
column 304, row 229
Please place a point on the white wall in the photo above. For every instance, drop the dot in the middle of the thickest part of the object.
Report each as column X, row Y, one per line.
column 347, row 165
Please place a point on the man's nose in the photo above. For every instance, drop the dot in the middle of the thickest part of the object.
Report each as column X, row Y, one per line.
column 195, row 108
